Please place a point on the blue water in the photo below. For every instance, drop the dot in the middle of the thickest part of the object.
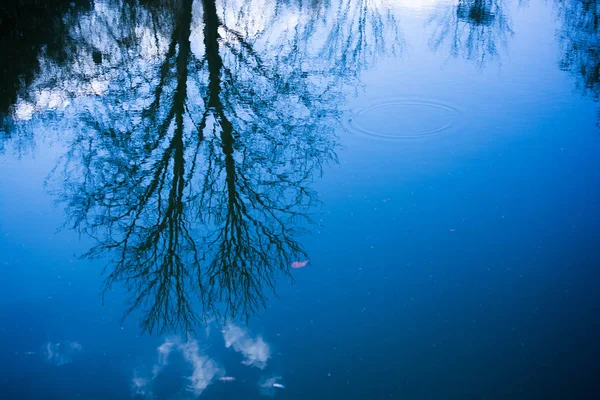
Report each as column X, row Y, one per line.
column 435, row 161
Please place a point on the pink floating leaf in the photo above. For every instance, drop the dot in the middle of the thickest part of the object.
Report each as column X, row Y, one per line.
column 299, row 264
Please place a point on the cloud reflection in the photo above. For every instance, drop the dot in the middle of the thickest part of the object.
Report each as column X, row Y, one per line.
column 61, row 353
column 256, row 351
column 204, row 369
column 140, row 386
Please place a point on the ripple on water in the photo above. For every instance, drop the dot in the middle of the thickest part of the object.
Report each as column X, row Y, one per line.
column 403, row 119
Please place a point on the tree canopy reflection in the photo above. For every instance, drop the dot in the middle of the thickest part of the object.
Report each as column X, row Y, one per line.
column 474, row 30
column 197, row 132
column 579, row 35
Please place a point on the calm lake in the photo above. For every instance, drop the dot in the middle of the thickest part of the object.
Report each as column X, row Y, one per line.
column 299, row 199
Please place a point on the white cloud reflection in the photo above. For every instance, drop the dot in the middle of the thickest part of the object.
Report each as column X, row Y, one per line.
column 204, row 369
column 256, row 351
column 61, row 353
column 163, row 355
column 140, row 386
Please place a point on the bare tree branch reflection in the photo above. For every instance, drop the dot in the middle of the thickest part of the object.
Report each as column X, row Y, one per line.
column 195, row 133
column 473, row 30
column 579, row 36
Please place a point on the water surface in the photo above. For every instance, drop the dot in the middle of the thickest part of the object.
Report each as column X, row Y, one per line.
column 163, row 164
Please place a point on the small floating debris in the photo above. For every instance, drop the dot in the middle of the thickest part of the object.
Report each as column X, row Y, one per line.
column 299, row 264
column 268, row 386
column 30, row 353
column 227, row 379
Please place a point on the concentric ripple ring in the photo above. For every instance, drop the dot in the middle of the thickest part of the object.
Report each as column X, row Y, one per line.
column 403, row 119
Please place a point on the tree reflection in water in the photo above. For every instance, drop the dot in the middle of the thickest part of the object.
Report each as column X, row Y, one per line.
column 579, row 35
column 474, row 30
column 194, row 129
column 196, row 133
